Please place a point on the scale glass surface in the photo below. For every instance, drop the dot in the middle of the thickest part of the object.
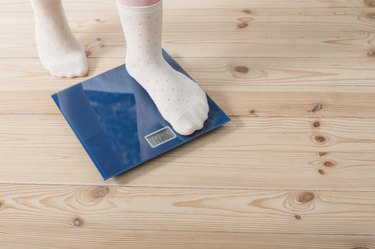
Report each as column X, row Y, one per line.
column 119, row 125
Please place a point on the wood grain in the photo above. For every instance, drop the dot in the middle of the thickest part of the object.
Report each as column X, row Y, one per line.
column 99, row 238
column 262, row 87
column 257, row 103
column 300, row 134
column 191, row 210
column 294, row 169
column 255, row 23
column 351, row 39
column 251, row 74
column 214, row 45
column 257, row 144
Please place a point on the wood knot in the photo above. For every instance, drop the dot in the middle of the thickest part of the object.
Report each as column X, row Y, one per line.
column 321, row 172
column 306, row 197
column 252, row 112
column 370, row 15
column 98, row 39
column 323, row 154
column 1, row 204
column 242, row 25
column 317, row 108
column 369, row 3
column 78, row 222
column 320, row 139
column 316, row 124
column 247, row 11
column 297, row 217
column 97, row 20
column 99, row 192
column 102, row 45
column 88, row 52
column 371, row 52
column 299, row 202
column 241, row 69
column 244, row 22
column 329, row 164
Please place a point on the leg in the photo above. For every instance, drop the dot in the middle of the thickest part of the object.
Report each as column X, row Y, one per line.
column 58, row 49
column 138, row 3
column 179, row 99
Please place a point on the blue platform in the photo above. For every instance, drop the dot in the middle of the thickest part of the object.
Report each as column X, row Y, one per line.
column 119, row 125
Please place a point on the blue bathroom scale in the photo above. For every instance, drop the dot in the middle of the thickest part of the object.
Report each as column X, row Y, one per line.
column 119, row 125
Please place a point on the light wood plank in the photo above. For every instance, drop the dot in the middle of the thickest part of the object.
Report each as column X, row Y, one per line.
column 303, row 32
column 337, row 134
column 343, row 160
column 192, row 210
column 297, row 74
column 214, row 45
column 216, row 169
column 252, row 103
column 86, row 238
column 339, row 23
column 98, row 238
column 256, row 87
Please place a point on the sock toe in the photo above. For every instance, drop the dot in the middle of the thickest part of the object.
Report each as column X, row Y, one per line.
column 76, row 67
column 192, row 120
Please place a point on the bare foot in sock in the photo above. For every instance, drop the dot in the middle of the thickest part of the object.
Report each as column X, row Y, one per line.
column 58, row 49
column 179, row 99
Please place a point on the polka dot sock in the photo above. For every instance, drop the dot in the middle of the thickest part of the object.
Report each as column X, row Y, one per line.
column 179, row 99
column 58, row 49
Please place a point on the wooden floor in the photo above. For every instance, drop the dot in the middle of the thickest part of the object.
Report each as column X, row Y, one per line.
column 294, row 169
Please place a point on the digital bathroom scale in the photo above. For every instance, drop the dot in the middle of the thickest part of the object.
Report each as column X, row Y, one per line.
column 119, row 125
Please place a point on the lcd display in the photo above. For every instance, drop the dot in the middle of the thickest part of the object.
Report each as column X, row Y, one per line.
column 160, row 136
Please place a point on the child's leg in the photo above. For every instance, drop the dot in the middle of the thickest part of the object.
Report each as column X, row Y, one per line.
column 58, row 49
column 179, row 99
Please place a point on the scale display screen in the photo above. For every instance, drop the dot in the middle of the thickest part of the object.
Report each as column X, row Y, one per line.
column 160, row 136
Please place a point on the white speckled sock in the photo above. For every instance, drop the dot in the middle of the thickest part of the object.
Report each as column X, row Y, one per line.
column 179, row 99
column 58, row 49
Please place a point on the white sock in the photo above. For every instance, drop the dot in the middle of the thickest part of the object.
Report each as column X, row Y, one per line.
column 179, row 99
column 58, row 49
